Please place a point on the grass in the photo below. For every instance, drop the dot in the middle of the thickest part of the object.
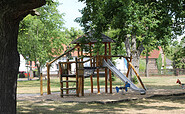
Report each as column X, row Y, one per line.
column 156, row 105
column 150, row 83
column 165, row 104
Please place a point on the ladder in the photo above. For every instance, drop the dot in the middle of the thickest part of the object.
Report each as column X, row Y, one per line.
column 69, row 80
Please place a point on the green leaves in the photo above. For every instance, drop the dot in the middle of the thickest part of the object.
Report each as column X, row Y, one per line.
column 40, row 37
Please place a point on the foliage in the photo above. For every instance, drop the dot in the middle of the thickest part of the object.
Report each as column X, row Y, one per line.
column 164, row 62
column 179, row 55
column 135, row 81
column 159, row 63
column 40, row 37
column 73, row 33
column 140, row 25
column 142, row 65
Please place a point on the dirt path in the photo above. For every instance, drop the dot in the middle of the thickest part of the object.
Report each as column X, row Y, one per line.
column 101, row 98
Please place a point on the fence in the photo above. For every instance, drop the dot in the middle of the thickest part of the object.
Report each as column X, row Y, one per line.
column 165, row 72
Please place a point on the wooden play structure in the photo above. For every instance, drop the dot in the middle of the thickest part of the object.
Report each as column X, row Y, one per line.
column 81, row 72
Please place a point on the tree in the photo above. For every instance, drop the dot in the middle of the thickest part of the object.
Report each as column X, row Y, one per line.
column 40, row 37
column 179, row 55
column 11, row 13
column 143, row 24
column 73, row 33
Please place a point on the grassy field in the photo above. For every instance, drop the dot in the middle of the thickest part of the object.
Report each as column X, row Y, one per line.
column 166, row 104
column 33, row 86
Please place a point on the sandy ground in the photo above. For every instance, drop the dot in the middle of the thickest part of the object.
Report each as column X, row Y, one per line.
column 102, row 97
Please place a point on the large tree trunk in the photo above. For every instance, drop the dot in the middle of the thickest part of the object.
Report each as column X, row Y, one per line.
column 135, row 55
column 127, row 46
column 11, row 13
column 9, row 64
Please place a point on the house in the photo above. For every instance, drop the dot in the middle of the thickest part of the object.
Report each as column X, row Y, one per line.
column 152, row 60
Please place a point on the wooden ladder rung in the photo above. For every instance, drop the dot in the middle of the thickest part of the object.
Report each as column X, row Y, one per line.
column 68, row 75
column 68, row 81
column 67, row 88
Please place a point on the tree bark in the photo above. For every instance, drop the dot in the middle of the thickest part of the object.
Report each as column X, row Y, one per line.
column 11, row 13
column 135, row 55
column 127, row 46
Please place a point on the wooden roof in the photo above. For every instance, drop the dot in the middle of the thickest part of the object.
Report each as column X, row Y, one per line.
column 89, row 39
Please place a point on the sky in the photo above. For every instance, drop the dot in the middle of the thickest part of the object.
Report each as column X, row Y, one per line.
column 71, row 9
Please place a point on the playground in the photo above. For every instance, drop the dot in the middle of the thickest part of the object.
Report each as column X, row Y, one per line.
column 81, row 89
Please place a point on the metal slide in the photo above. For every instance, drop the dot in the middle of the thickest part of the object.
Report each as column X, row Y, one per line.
column 121, row 76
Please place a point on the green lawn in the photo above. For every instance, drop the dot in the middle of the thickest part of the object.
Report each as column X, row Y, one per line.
column 166, row 104
column 33, row 86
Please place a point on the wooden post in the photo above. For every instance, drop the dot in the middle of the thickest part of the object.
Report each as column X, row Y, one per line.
column 97, row 65
column 77, row 88
column 48, row 81
column 91, row 77
column 67, row 84
column 137, row 75
column 128, row 66
column 105, row 68
column 82, row 77
column 41, row 85
column 61, row 80
column 110, row 74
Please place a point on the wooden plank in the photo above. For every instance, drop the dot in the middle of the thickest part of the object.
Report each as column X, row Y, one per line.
column 67, row 75
column 68, row 81
column 67, row 89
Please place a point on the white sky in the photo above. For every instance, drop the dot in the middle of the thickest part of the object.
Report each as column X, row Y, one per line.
column 71, row 10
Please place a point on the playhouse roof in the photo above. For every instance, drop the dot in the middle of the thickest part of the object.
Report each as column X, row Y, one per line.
column 89, row 39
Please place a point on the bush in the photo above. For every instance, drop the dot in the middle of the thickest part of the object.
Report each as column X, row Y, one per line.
column 135, row 81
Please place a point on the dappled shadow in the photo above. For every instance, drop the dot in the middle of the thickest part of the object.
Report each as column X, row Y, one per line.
column 47, row 107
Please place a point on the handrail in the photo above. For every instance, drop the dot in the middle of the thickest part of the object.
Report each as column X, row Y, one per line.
column 69, row 62
column 71, row 49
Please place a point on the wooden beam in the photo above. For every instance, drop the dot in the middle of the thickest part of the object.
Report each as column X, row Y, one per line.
column 67, row 84
column 129, row 67
column 61, row 82
column 110, row 74
column 137, row 75
column 97, row 65
column 105, row 69
column 71, row 49
column 77, row 89
column 48, row 79
column 91, row 77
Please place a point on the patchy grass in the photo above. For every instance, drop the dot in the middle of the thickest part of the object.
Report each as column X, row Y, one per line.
column 33, row 86
column 170, row 104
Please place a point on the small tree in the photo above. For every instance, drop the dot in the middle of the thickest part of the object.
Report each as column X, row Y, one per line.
column 159, row 63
